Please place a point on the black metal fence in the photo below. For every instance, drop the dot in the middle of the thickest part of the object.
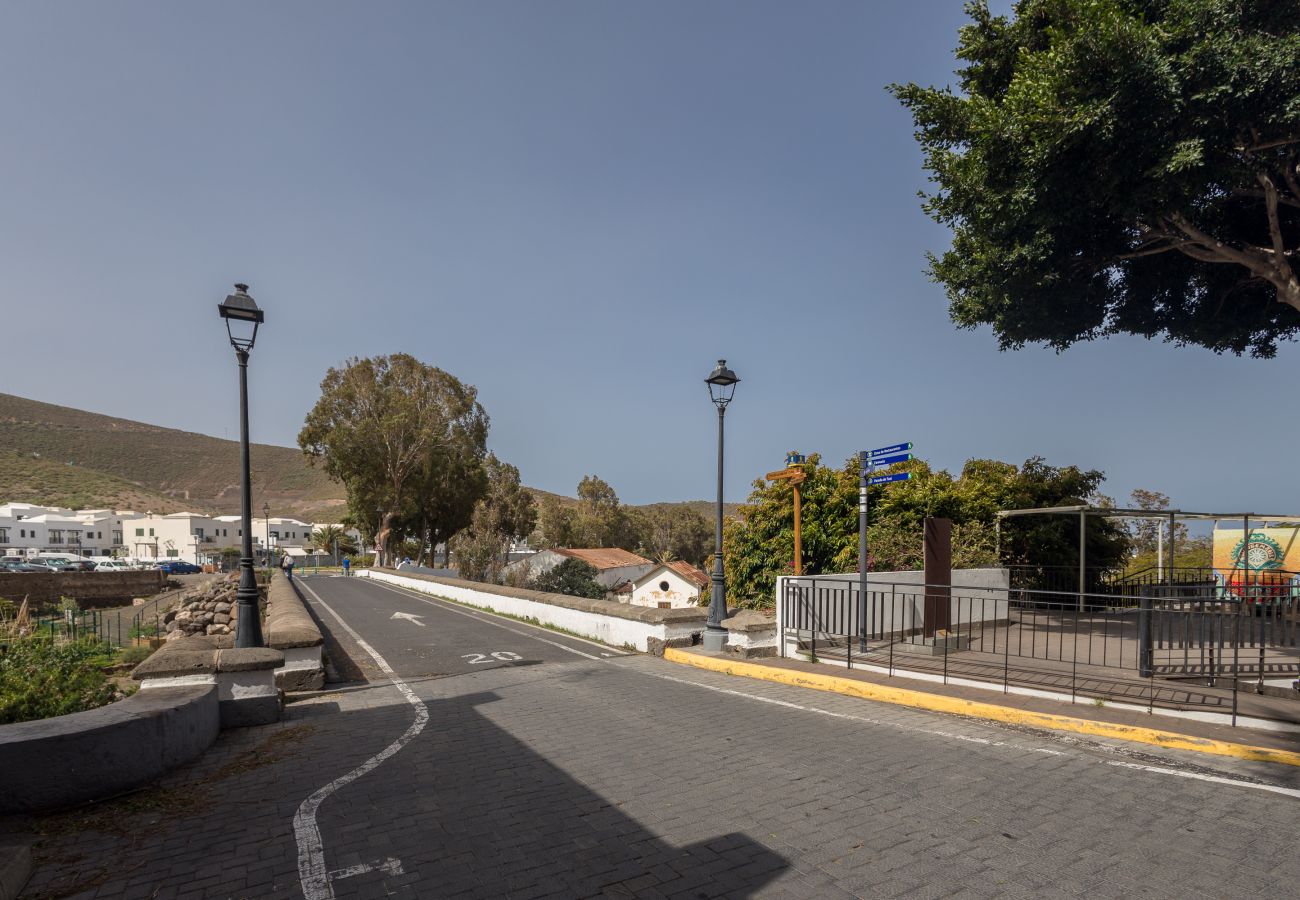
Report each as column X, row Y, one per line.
column 1156, row 645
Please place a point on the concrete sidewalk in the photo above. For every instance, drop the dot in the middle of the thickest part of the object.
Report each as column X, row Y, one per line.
column 1089, row 718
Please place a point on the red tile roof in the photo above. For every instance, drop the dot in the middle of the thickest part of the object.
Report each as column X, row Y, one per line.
column 606, row 557
column 689, row 572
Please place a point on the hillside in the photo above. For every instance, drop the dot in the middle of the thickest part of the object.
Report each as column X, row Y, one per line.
column 28, row 479
column 97, row 457
column 59, row 456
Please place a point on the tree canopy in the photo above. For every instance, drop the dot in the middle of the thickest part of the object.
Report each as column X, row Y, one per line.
column 662, row 531
column 573, row 577
column 758, row 543
column 406, row 439
column 506, row 512
column 1120, row 166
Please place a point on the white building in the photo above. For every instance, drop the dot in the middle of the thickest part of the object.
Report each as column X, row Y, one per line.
column 29, row 530
column 614, row 567
column 669, row 586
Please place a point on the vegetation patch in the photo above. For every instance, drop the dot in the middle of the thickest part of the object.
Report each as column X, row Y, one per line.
column 41, row 678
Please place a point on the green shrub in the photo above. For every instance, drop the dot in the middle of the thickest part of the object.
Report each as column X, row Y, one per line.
column 135, row 654
column 573, row 577
column 40, row 679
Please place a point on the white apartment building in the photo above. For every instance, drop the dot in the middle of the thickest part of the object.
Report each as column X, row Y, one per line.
column 29, row 530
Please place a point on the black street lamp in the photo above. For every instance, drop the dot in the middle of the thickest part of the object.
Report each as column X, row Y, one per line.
column 722, row 385
column 242, row 318
column 266, row 521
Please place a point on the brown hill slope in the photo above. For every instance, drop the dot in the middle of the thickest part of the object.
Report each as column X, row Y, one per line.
column 28, row 479
column 61, row 456
column 196, row 470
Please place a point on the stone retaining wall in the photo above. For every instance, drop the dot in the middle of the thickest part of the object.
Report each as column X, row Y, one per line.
column 290, row 629
column 244, row 677
column 618, row 624
column 69, row 760
column 91, row 590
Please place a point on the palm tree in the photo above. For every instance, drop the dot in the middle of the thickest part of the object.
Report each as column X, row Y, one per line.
column 327, row 537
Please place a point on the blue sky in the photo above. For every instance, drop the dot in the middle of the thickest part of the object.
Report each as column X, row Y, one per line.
column 577, row 207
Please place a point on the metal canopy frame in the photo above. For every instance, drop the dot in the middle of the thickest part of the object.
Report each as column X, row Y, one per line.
column 1172, row 515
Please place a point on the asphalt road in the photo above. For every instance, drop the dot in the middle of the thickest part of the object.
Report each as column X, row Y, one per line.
column 490, row 758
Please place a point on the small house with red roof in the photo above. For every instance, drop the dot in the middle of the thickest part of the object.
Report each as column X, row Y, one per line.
column 670, row 585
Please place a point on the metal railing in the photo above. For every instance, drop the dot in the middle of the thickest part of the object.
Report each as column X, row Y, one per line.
column 1149, row 646
column 76, row 625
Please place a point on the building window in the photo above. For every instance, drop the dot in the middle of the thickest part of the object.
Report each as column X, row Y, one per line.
column 4, row 535
column 117, row 537
column 664, row 586
column 56, row 536
column 139, row 532
column 150, row 532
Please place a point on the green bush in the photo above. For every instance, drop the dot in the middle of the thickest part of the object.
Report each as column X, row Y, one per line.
column 40, row 679
column 573, row 577
column 134, row 655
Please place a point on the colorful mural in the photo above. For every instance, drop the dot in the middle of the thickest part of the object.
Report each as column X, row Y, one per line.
column 1265, row 564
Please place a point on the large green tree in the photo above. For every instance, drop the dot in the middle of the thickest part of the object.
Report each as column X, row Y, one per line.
column 381, row 424
column 1121, row 166
column 759, row 541
column 505, row 513
column 668, row 531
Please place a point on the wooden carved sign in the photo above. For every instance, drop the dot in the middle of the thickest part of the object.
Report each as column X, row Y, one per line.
column 796, row 476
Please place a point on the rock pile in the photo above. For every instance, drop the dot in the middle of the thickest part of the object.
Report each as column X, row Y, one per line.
column 207, row 609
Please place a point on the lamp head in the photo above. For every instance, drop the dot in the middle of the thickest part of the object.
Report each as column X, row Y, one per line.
column 722, row 384
column 242, row 317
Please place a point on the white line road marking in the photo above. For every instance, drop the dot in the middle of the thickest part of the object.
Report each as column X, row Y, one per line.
column 391, row 866
column 464, row 612
column 315, row 878
column 410, row 617
column 1156, row 770
column 970, row 739
column 1200, row 776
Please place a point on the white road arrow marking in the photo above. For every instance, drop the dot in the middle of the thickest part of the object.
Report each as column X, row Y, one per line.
column 410, row 617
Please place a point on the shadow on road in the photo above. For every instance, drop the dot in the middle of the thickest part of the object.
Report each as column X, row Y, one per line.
column 467, row 807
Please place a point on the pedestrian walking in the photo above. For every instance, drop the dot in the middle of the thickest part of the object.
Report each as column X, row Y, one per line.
column 286, row 564
column 347, row 565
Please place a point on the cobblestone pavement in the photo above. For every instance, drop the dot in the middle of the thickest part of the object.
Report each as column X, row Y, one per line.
column 565, row 775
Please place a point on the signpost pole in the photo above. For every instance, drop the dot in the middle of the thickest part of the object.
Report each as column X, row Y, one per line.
column 798, row 538
column 862, row 552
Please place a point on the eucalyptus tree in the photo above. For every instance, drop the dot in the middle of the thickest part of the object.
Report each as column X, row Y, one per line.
column 382, row 427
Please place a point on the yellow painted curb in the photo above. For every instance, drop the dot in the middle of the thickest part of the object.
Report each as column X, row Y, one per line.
column 976, row 709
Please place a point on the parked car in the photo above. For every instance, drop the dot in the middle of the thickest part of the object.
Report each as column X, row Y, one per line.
column 179, row 567
column 55, row 563
column 79, row 565
column 24, row 567
column 112, row 565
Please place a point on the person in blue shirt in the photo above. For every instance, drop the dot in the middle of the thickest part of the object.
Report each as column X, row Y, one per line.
column 347, row 565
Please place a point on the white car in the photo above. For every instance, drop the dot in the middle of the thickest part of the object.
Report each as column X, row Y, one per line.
column 112, row 565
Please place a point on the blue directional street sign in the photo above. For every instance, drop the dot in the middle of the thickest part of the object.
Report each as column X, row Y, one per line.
column 889, row 460
column 892, row 449
column 886, row 479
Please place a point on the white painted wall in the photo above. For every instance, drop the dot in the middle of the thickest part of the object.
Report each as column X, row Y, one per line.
column 663, row 585
column 607, row 629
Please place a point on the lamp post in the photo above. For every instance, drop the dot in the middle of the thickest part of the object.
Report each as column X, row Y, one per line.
column 266, row 522
column 242, row 319
column 722, row 385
